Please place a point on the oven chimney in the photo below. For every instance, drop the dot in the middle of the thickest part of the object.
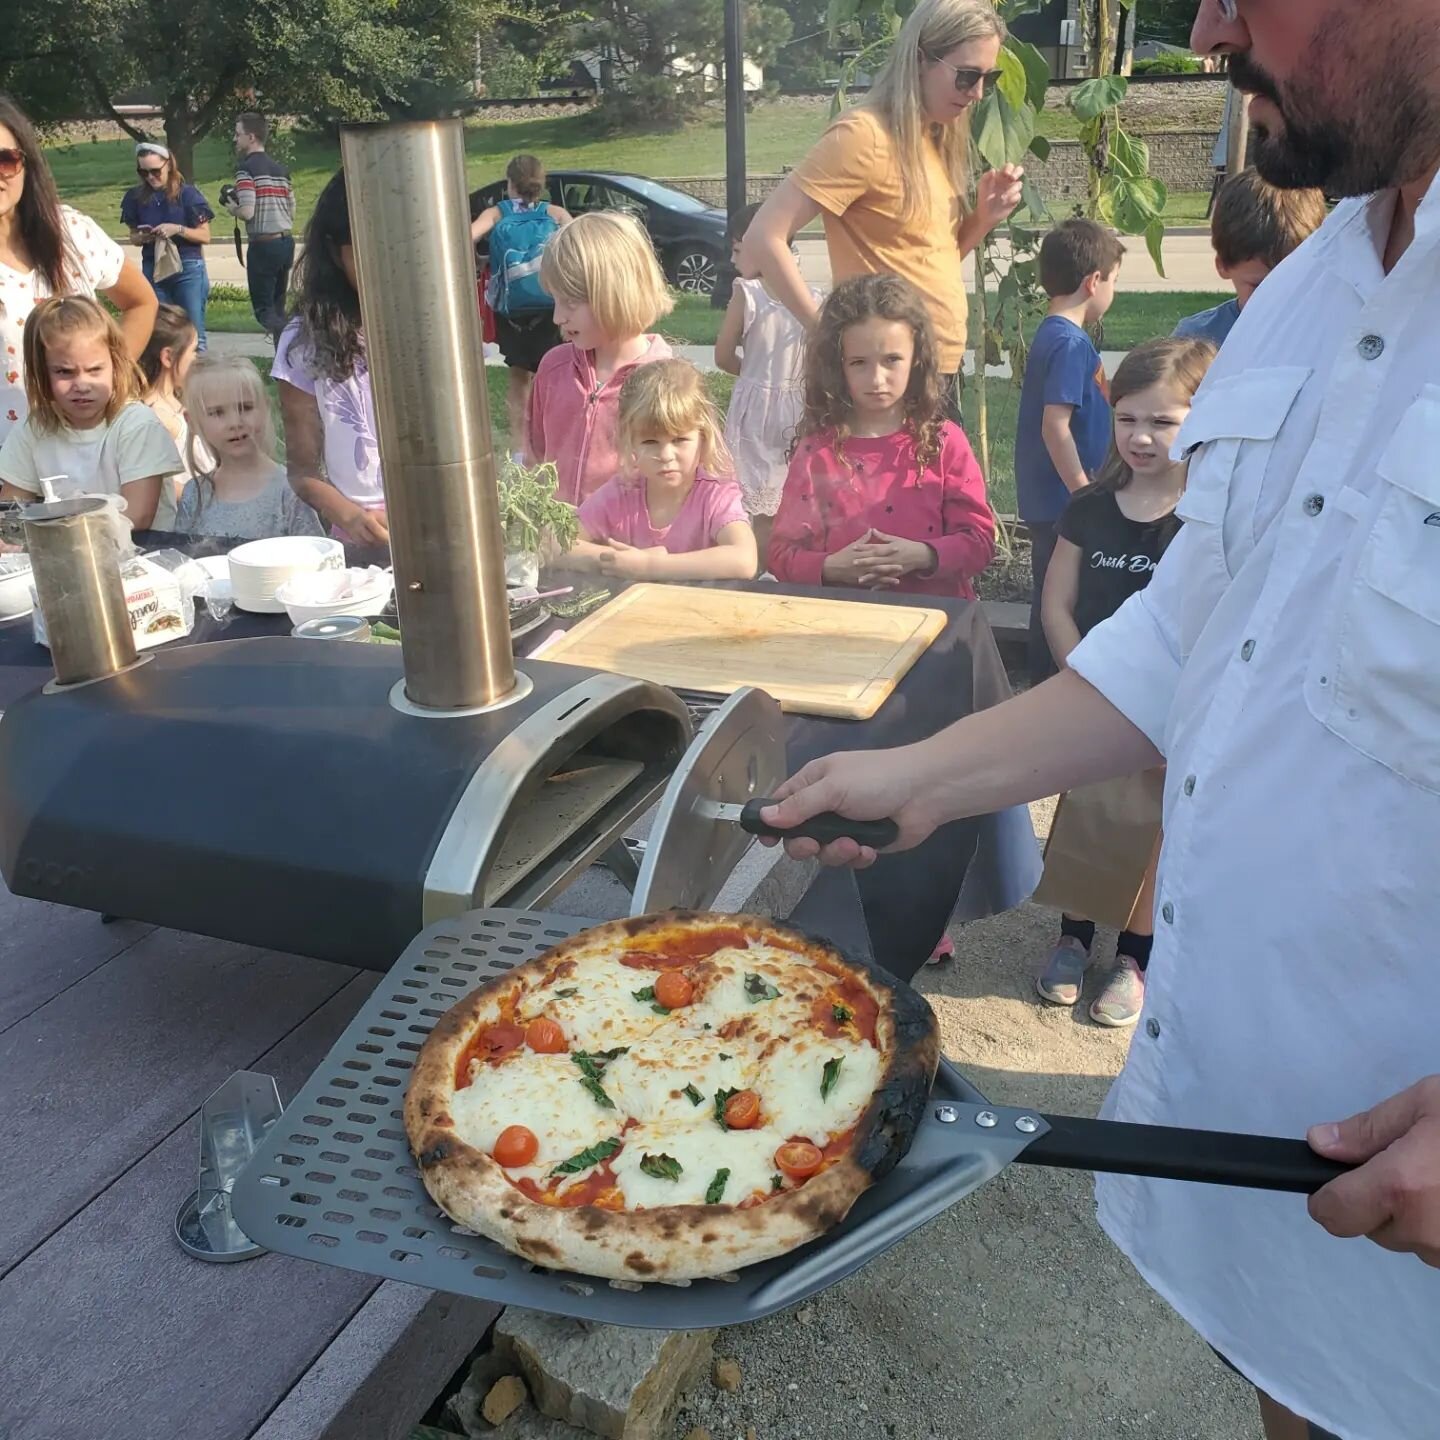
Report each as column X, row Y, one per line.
column 410, row 226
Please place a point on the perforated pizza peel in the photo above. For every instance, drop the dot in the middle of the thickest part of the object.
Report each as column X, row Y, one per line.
column 334, row 1180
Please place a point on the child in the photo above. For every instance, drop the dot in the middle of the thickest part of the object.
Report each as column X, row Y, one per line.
column 88, row 431
column 165, row 364
column 883, row 491
column 608, row 290
column 677, row 515
column 519, row 227
column 1112, row 535
column 769, row 395
column 1254, row 227
column 1063, row 428
column 245, row 496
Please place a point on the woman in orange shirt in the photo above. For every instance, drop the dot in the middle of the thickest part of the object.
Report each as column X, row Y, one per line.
column 889, row 175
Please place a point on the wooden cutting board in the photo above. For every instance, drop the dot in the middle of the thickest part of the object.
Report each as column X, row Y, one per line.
column 815, row 656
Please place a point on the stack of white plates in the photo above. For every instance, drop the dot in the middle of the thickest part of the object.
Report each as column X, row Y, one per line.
column 15, row 581
column 259, row 568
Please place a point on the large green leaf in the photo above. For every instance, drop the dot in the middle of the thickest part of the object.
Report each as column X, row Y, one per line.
column 1002, row 133
column 1014, row 84
column 1136, row 203
column 1129, row 156
column 1094, row 97
column 1009, row 9
column 1154, row 239
column 1032, row 201
column 1037, row 70
column 1040, row 147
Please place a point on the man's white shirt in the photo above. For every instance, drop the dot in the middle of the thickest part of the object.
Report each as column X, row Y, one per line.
column 1286, row 659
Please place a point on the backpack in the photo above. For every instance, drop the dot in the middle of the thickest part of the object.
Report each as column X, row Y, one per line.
column 516, row 244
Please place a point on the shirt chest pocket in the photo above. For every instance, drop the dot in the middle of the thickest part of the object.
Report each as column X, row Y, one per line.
column 1229, row 437
column 1376, row 679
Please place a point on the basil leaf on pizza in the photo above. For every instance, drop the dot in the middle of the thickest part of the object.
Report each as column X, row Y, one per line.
column 739, row 1098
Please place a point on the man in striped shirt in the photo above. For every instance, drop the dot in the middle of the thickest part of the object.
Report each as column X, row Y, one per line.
column 265, row 201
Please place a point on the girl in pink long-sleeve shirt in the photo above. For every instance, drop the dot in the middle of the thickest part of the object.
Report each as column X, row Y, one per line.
column 883, row 492
column 608, row 290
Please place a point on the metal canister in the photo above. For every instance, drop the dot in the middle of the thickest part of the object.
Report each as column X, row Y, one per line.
column 334, row 627
column 75, row 555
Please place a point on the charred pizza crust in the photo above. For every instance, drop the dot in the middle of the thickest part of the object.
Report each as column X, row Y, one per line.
column 667, row 1242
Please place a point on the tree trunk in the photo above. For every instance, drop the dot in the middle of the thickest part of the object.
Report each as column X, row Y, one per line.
column 1127, row 55
column 180, row 134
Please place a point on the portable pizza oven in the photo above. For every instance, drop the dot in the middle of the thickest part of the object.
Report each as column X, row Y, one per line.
column 310, row 797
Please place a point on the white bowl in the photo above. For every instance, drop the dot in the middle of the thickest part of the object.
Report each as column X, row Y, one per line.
column 260, row 567
column 346, row 592
column 15, row 581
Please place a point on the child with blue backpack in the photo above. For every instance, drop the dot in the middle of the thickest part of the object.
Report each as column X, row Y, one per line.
column 518, row 229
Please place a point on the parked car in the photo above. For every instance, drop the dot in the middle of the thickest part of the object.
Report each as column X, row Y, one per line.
column 688, row 235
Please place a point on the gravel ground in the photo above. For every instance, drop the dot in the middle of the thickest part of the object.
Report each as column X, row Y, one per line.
column 1011, row 1316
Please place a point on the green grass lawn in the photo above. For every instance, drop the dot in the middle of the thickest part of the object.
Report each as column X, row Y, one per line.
column 93, row 175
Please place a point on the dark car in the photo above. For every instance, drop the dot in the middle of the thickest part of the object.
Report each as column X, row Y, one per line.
column 688, row 235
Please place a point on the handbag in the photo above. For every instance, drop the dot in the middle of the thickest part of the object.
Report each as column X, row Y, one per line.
column 167, row 258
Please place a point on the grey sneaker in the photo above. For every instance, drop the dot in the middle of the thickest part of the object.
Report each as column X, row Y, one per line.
column 1119, row 1001
column 1059, row 982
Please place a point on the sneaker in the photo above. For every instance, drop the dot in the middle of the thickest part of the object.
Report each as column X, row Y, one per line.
column 1059, row 982
column 1119, row 1001
column 944, row 951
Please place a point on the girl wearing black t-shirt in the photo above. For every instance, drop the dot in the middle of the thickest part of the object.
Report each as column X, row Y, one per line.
column 1109, row 541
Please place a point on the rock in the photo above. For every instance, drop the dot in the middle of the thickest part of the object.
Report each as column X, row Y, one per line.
column 805, row 1314
column 750, row 1433
column 725, row 1375
column 505, row 1397
column 616, row 1382
column 462, row 1410
column 698, row 1433
column 527, row 1423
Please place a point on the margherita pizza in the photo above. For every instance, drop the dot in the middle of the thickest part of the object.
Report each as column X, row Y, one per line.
column 669, row 1097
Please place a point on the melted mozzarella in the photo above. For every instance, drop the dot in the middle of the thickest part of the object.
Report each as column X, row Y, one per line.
column 542, row 1093
column 728, row 1009
column 789, row 1083
column 702, row 1149
column 649, row 1082
column 603, row 1011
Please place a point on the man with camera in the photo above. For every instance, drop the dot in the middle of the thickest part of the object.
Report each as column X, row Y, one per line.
column 264, row 199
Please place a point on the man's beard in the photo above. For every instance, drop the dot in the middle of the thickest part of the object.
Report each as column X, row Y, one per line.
column 1387, row 133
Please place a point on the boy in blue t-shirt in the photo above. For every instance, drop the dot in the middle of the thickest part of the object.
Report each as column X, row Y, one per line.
column 1063, row 433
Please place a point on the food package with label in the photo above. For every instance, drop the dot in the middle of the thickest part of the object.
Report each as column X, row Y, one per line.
column 159, row 594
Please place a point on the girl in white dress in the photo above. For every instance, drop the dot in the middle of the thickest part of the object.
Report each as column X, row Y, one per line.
column 762, row 344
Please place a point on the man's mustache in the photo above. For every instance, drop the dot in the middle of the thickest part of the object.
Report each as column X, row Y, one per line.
column 1246, row 75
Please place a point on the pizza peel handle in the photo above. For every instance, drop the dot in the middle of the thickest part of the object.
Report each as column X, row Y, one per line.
column 823, row 829
column 1215, row 1157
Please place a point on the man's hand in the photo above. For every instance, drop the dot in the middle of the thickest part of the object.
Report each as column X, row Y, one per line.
column 627, row 562
column 997, row 195
column 1394, row 1195
column 861, row 785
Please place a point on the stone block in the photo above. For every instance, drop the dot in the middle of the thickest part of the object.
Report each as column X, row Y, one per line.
column 612, row 1381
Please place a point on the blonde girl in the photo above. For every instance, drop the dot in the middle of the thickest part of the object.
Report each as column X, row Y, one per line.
column 1110, row 539
column 608, row 291
column 674, row 512
column 890, row 178
column 88, row 431
column 244, row 494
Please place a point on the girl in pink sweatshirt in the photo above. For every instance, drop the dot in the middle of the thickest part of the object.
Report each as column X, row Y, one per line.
column 883, row 492
column 608, row 290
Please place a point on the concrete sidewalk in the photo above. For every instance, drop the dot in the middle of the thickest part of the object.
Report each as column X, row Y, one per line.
column 1189, row 263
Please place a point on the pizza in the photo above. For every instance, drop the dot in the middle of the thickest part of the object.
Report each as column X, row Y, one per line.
column 669, row 1097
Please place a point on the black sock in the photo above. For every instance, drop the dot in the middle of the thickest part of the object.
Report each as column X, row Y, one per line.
column 1137, row 947
column 1081, row 930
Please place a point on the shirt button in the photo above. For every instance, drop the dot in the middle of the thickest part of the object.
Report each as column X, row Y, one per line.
column 1372, row 347
column 1247, row 649
column 1167, row 913
column 1152, row 1028
column 1189, row 784
column 1314, row 504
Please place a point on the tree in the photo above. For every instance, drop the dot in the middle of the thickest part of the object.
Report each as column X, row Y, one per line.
column 203, row 59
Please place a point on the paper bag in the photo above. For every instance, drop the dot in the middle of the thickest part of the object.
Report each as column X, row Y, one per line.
column 1100, row 846
column 167, row 258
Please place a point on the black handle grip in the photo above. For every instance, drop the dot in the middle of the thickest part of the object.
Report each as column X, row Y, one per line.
column 1166, row 1152
column 877, row 834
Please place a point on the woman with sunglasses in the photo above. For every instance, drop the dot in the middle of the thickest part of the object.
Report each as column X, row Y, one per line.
column 47, row 248
column 164, row 206
column 890, row 176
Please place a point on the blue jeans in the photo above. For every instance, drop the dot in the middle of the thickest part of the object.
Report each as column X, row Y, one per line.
column 190, row 289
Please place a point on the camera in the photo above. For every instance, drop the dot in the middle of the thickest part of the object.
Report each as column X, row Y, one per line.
column 228, row 195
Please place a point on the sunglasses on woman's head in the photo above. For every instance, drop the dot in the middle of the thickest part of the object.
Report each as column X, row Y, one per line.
column 967, row 77
column 12, row 162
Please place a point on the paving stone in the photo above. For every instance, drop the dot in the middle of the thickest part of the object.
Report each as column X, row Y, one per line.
column 615, row 1382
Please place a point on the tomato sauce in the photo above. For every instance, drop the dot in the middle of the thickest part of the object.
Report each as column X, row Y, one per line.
column 857, row 1000
column 599, row 1188
column 686, row 947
